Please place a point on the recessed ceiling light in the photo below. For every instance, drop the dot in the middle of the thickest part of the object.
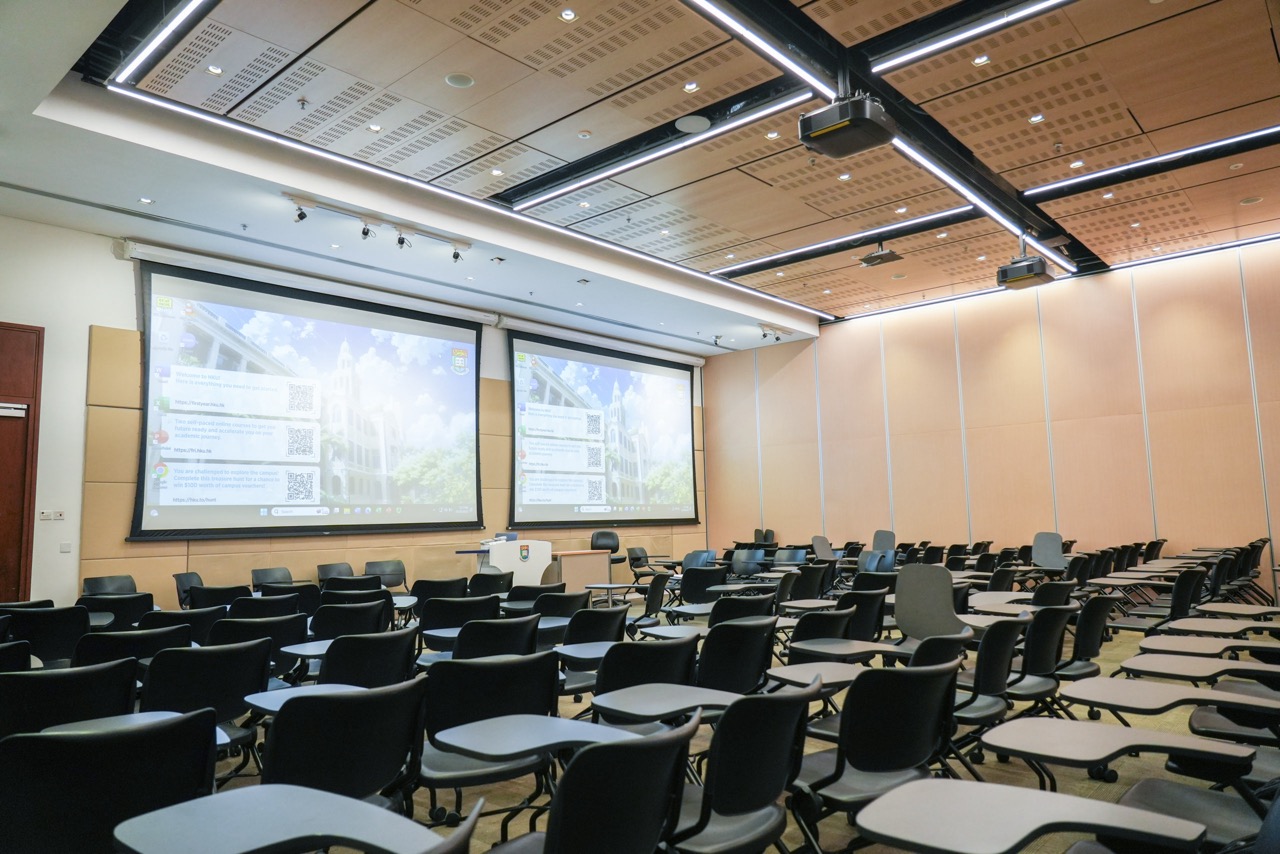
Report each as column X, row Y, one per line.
column 1251, row 200
column 982, row 59
column 898, row 276
column 578, row 304
column 660, row 323
column 334, row 246
column 773, row 134
column 146, row 201
column 826, row 290
column 459, row 80
column 693, row 124
column 567, row 15
column 866, row 305
column 1135, row 225
column 1036, row 119
column 584, row 134
column 664, row 231
column 495, row 172
column 1076, row 164
column 900, row 209
column 779, row 274
column 215, row 70
column 982, row 257
column 471, row 278
column 844, row 176
column 730, row 255
column 1156, row 248
column 1234, row 166
column 691, row 86
column 584, row 204
column 376, row 128
column 942, row 234
column 1108, row 195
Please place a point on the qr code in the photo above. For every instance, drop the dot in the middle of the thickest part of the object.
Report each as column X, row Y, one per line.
column 302, row 398
column 301, row 485
column 593, row 424
column 595, row 457
column 595, row 490
column 302, row 442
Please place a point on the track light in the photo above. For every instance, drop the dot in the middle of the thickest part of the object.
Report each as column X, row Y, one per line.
column 777, row 337
column 300, row 215
column 366, row 232
column 457, row 256
column 402, row 242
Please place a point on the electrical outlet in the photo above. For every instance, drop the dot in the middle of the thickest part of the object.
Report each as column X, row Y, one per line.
column 45, row 515
column 59, row 515
column 65, row 548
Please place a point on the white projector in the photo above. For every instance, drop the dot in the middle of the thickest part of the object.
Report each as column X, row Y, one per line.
column 1024, row 272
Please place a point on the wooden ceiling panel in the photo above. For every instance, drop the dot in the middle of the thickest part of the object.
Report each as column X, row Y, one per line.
column 1239, row 201
column 1095, row 159
column 294, row 25
column 744, row 204
column 937, row 200
column 518, row 162
column 1233, row 168
column 1081, row 110
column 1129, row 191
column 839, row 292
column 492, row 72
column 1211, row 59
column 955, row 236
column 1101, row 19
column 1132, row 226
column 877, row 177
column 661, row 229
column 1251, row 117
column 587, row 202
column 246, row 61
column 1022, row 45
column 385, row 42
column 733, row 255
column 854, row 21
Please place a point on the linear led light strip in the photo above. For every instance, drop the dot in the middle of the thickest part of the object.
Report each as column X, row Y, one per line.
column 952, row 298
column 663, row 151
column 488, row 208
column 869, row 233
column 982, row 205
column 159, row 39
column 1147, row 161
column 998, row 22
column 1199, row 250
column 819, row 85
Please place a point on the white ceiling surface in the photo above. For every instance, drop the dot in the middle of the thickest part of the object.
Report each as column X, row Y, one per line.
column 221, row 194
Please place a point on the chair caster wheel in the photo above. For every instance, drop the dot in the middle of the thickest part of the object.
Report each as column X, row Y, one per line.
column 452, row 819
column 1002, row 758
column 977, row 757
column 1103, row 774
column 438, row 814
column 1095, row 715
column 577, row 698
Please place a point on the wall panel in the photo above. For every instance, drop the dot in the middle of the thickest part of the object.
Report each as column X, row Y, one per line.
column 789, row 441
column 1101, row 482
column 729, row 424
column 1260, row 266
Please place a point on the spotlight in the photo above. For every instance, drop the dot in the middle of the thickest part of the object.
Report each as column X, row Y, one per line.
column 777, row 337
column 457, row 256
column 300, row 215
column 764, row 335
column 366, row 232
column 402, row 242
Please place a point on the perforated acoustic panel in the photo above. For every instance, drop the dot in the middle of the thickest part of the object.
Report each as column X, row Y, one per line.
column 853, row 21
column 661, row 229
column 587, row 202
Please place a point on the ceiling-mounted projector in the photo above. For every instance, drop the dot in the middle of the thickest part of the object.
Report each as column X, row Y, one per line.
column 880, row 256
column 1024, row 272
column 847, row 127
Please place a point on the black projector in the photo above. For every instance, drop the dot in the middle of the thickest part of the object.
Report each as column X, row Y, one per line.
column 847, row 128
column 880, row 256
column 1024, row 272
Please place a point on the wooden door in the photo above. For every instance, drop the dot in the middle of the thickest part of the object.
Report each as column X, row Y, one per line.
column 21, row 351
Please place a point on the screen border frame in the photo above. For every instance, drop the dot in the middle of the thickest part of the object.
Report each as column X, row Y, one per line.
column 145, row 271
column 512, row 336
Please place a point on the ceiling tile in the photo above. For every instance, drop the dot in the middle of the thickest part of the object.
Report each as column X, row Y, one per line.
column 854, row 21
column 246, row 61
column 385, row 42
column 642, row 225
column 587, row 202
column 744, row 204
column 1101, row 19
column 491, row 71
column 518, row 162
column 1095, row 159
column 749, row 251
column 294, row 25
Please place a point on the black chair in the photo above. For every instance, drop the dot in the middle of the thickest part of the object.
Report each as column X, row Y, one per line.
column 326, row 571
column 216, row 677
column 653, row 598
column 101, row 647
column 591, row 783
column 334, row 621
column 754, row 757
column 15, row 656
column 326, row 742
column 608, row 541
column 814, row 625
column 95, row 585
column 369, row 660
column 308, row 595
column 436, row 588
column 1090, row 633
column 694, row 584
column 1186, row 590
column 270, row 575
column 746, row 562
column 453, row 614
column 206, row 597
column 592, row 625
column 200, row 620
column 627, row 664
column 735, row 655
column 390, row 573
column 982, row 693
column 347, row 583
column 32, row 603
column 489, row 583
column 252, row 607
column 521, row 597
column 892, row 725
column 357, row 597
column 36, row 699
column 185, row 581
column 638, row 562
column 281, row 631
column 867, row 622
column 1037, row 680
column 737, row 607
column 482, row 638
column 52, row 632
column 106, row 778
column 125, row 608
column 558, row 605
column 459, row 692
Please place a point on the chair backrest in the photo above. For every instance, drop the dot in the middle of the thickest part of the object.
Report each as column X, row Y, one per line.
column 883, row 540
column 747, row 562
column 699, row 557
column 481, row 638
column 369, row 660
column 36, row 699
column 995, row 655
column 121, row 774
column 822, row 548
column 987, row 562
column 667, row 661
column 932, row 554
column 431, row 588
column 1152, row 551
column 31, row 603
column 308, row 594
column 281, row 631
column 357, row 597
column 125, row 608
column 270, row 574
column 656, row 593
column 1001, row 580
column 358, row 618
column 809, row 583
column 263, row 606
column 52, row 632
column 737, row 607
column 1046, row 550
column 868, row 613
column 592, row 786
column 1044, row 639
column 185, row 581
column 206, row 597
column 325, row 571
column 886, row 581
column 696, row 580
column 446, row 613
column 354, row 744
column 459, row 692
column 219, row 677
column 530, row 592
column 893, row 716
column 109, row 584
column 390, row 573
column 924, row 606
column 607, row 540
column 200, row 620
column 637, row 557
column 489, row 583
column 938, row 649
column 15, row 656
column 348, row 583
column 1091, row 627
column 1052, row 593
column 99, row 647
column 561, row 604
column 592, row 625
column 957, row 563
column 791, row 555
column 813, row 625
column 785, row 589
column 1186, row 591
column 735, row 655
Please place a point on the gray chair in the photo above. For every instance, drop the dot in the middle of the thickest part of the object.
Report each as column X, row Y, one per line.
column 924, row 605
column 94, row 585
column 1046, row 551
column 390, row 572
column 271, row 574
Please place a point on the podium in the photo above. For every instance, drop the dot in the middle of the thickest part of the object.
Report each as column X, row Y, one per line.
column 527, row 560
column 580, row 568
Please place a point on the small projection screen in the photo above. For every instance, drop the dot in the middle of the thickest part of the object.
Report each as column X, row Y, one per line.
column 276, row 412
column 599, row 438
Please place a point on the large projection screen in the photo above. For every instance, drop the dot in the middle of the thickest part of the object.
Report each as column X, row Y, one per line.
column 599, row 438
column 276, row 412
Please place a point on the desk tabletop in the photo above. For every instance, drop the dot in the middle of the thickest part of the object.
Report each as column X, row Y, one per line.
column 835, row 675
column 1082, row 744
column 584, row 653
column 273, row 817
column 310, row 649
column 119, row 722
column 1238, row 609
column 960, row 822
column 508, row 737
column 839, row 649
column 998, row 597
column 1220, row 627
column 660, row 701
column 809, row 605
column 1193, row 668
column 269, row 702
column 1145, row 697
column 1192, row 645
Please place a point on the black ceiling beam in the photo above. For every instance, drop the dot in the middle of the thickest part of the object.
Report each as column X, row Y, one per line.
column 853, row 242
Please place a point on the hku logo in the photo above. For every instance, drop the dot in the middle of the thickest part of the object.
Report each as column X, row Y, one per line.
column 524, row 552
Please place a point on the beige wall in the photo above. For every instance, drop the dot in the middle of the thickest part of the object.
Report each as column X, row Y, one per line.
column 1114, row 408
